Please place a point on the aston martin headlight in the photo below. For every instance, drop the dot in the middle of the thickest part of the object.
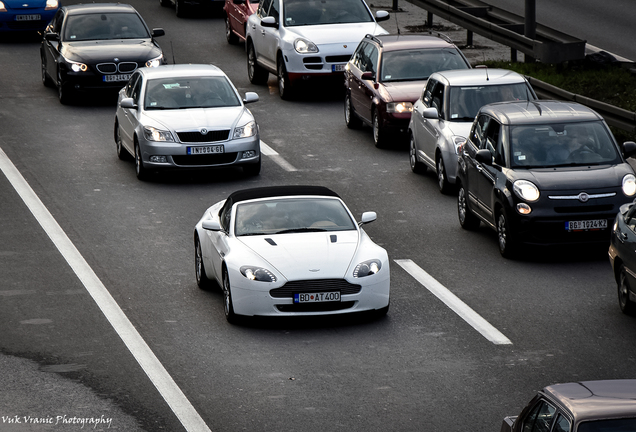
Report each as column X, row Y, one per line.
column 629, row 185
column 399, row 107
column 153, row 134
column 155, row 61
column 303, row 46
column 245, row 131
column 526, row 190
column 51, row 4
column 258, row 274
column 367, row 268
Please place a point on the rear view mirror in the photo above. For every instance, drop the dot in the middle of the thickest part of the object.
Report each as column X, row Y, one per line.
column 250, row 97
column 156, row 32
column 484, row 156
column 430, row 113
column 269, row 21
column 212, row 225
column 128, row 103
column 367, row 76
column 629, row 148
column 368, row 217
column 381, row 16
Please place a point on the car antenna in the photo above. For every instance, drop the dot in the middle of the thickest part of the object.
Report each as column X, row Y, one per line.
column 172, row 49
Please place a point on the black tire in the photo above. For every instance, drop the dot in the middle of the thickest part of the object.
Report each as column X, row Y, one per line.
column 467, row 219
column 285, row 88
column 232, row 38
column 351, row 118
column 627, row 306
column 416, row 166
column 379, row 134
column 255, row 73
column 46, row 79
column 180, row 8
column 228, row 306
column 442, row 179
column 505, row 236
column 64, row 92
column 122, row 153
column 252, row 170
column 140, row 169
column 199, row 269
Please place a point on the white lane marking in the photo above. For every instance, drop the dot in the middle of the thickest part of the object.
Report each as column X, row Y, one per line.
column 453, row 302
column 273, row 154
column 172, row 394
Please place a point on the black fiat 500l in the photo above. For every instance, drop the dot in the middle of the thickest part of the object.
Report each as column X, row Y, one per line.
column 543, row 172
column 96, row 46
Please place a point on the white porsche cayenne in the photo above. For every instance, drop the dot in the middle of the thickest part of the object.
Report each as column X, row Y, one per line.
column 290, row 251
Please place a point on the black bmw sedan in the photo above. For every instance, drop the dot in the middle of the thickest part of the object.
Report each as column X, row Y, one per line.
column 96, row 46
column 543, row 172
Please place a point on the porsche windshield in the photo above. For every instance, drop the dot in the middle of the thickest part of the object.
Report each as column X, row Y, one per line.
column 317, row 12
column 103, row 26
column 291, row 215
column 465, row 101
column 190, row 92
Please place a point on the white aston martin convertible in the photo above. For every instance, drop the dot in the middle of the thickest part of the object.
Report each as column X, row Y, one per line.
column 290, row 251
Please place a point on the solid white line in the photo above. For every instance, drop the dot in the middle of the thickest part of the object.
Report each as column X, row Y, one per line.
column 453, row 302
column 273, row 154
column 180, row 405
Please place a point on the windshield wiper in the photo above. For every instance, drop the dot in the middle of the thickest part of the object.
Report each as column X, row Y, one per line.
column 297, row 230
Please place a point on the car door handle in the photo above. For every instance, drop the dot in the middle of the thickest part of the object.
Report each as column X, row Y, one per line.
column 622, row 237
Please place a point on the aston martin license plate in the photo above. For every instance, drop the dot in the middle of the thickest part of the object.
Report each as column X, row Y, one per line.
column 118, row 77
column 333, row 296
column 205, row 150
column 28, row 17
column 584, row 225
column 338, row 68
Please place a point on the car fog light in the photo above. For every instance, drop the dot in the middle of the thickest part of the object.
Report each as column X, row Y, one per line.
column 158, row 159
column 249, row 154
column 523, row 208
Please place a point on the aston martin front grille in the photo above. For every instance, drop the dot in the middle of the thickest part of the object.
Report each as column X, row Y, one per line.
column 313, row 286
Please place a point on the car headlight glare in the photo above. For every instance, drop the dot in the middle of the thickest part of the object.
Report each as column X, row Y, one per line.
column 245, row 131
column 155, row 61
column 2, row 7
column 303, row 46
column 399, row 107
column 629, row 185
column 258, row 274
column 51, row 4
column 526, row 190
column 153, row 134
column 367, row 268
column 78, row 67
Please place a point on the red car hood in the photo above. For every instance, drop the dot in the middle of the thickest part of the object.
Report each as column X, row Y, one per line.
column 405, row 91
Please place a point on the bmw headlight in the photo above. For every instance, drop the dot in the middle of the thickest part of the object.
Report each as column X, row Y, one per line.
column 458, row 141
column 76, row 66
column 51, row 4
column 155, row 61
column 153, row 134
column 245, row 131
column 526, row 190
column 303, row 46
column 367, row 268
column 629, row 185
column 399, row 107
column 258, row 274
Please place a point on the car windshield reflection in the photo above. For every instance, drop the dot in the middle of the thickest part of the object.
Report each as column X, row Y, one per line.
column 418, row 64
column 465, row 101
column 104, row 26
column 190, row 92
column 297, row 215
column 319, row 12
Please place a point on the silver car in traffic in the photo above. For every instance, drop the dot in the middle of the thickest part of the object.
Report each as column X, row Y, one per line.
column 185, row 116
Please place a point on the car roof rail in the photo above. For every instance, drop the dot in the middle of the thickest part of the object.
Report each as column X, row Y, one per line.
column 373, row 38
column 441, row 36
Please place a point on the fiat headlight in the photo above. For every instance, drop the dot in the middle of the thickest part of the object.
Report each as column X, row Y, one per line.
column 399, row 107
column 526, row 190
column 629, row 185
column 51, row 4
column 303, row 46
column 154, row 134
column 367, row 268
column 245, row 131
column 258, row 274
column 155, row 61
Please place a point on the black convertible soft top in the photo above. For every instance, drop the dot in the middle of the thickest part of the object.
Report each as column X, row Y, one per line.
column 274, row 191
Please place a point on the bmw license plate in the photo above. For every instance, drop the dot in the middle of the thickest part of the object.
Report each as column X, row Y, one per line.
column 205, row 150
column 28, row 17
column 115, row 78
column 333, row 296
column 585, row 225
column 338, row 67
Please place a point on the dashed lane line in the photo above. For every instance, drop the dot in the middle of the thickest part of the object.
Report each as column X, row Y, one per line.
column 273, row 154
column 453, row 302
column 172, row 394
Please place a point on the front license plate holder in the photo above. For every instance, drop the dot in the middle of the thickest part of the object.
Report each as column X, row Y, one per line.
column 28, row 17
column 321, row 297
column 206, row 150
column 338, row 67
column 116, row 78
column 586, row 225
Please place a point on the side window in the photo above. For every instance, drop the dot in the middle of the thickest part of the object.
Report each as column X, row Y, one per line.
column 492, row 139
column 273, row 10
column 264, row 8
column 540, row 418
column 478, row 134
column 437, row 99
column 225, row 216
column 131, row 85
column 562, row 424
column 137, row 89
column 57, row 22
column 427, row 94
column 630, row 218
column 369, row 59
column 358, row 54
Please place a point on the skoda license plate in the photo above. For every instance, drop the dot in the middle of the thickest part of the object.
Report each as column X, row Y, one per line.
column 28, row 17
column 338, row 68
column 205, row 150
column 115, row 78
column 585, row 225
column 333, row 296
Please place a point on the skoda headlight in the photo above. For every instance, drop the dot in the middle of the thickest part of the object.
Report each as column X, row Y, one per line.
column 155, row 61
column 257, row 274
column 629, row 185
column 399, row 107
column 51, row 4
column 367, row 268
column 303, row 46
column 245, row 131
column 526, row 190
column 154, row 134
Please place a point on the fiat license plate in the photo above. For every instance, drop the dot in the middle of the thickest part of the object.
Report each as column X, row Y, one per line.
column 338, row 67
column 115, row 78
column 333, row 296
column 585, row 225
column 205, row 150
column 28, row 17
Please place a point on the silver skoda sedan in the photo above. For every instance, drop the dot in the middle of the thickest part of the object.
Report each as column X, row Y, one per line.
column 185, row 116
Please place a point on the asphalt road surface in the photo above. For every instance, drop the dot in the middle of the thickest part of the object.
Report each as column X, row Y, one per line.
column 553, row 315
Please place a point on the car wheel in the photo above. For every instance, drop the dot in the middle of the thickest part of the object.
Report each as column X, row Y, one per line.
column 416, row 166
column 442, row 180
column 351, row 119
column 255, row 73
column 46, row 79
column 228, row 306
column 64, row 93
column 180, row 8
column 507, row 244
column 140, row 170
column 379, row 135
column 229, row 34
column 199, row 269
column 253, row 169
column 122, row 153
column 627, row 306
column 285, row 88
column 467, row 219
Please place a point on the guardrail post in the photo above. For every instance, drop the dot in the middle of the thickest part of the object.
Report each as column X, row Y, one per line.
column 469, row 38
column 395, row 5
column 429, row 19
column 530, row 27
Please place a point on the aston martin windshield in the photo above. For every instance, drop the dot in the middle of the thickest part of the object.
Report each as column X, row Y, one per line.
column 190, row 92
column 418, row 64
column 465, row 101
column 317, row 12
column 104, row 26
column 291, row 215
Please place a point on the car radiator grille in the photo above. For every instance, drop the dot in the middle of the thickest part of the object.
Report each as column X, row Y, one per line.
column 313, row 286
column 585, row 209
column 111, row 68
column 208, row 159
column 26, row 25
column 316, row 307
column 337, row 59
column 198, row 137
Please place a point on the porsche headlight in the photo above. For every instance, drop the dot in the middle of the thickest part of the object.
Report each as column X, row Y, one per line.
column 51, row 4
column 629, row 185
column 153, row 134
column 155, row 61
column 245, row 131
column 367, row 268
column 258, row 274
column 526, row 190
column 399, row 107
column 303, row 46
